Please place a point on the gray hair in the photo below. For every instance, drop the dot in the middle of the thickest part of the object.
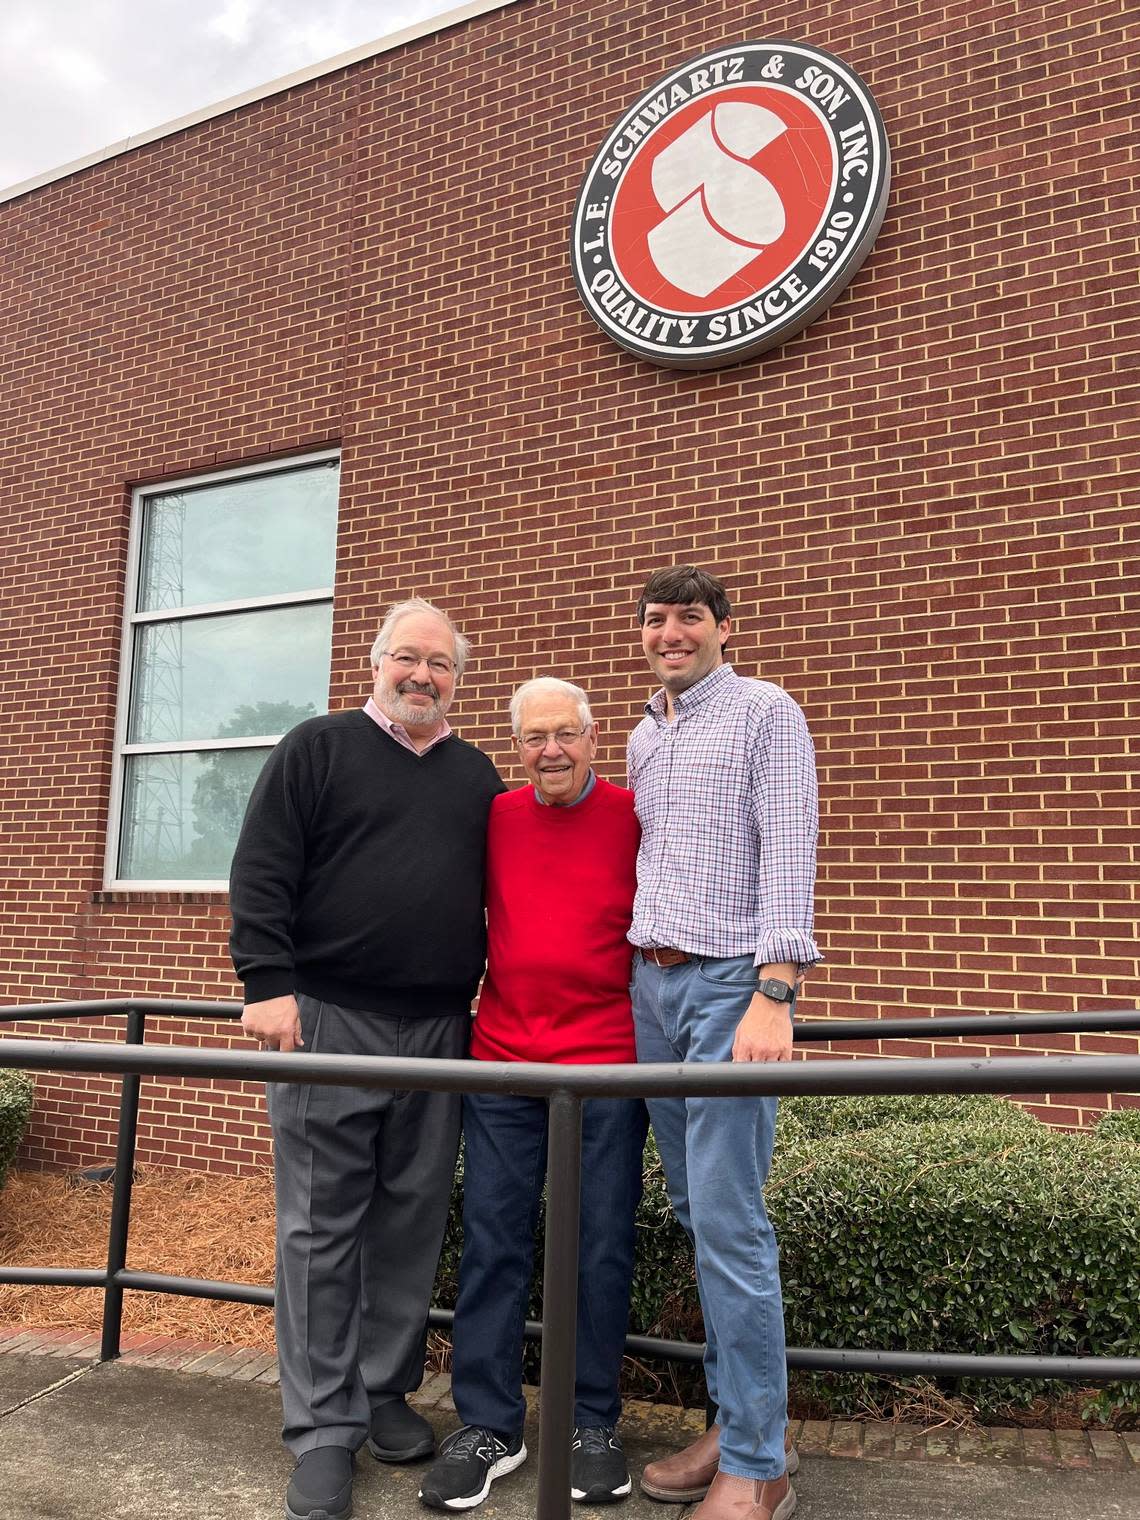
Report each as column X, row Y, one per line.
column 549, row 686
column 417, row 604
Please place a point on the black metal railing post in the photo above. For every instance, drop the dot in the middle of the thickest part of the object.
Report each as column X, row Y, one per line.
column 121, row 1195
column 559, row 1305
column 565, row 1089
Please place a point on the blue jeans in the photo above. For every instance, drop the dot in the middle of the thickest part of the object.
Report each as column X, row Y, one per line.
column 503, row 1173
column 716, row 1153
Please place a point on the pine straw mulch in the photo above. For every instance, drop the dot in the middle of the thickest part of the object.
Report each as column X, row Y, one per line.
column 196, row 1224
column 190, row 1224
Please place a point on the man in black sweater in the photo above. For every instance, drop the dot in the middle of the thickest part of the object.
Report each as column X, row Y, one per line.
column 357, row 900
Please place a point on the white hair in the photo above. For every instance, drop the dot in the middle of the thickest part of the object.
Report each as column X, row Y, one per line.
column 417, row 604
column 549, row 686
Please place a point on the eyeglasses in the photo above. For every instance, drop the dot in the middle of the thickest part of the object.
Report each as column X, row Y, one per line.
column 564, row 738
column 438, row 664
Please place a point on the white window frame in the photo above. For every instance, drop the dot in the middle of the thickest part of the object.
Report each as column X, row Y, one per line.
column 133, row 620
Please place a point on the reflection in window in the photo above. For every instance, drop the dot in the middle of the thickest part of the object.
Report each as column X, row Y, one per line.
column 257, row 535
column 196, row 678
column 182, row 812
column 228, row 647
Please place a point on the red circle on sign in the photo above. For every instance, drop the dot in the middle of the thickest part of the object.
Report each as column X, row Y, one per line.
column 799, row 164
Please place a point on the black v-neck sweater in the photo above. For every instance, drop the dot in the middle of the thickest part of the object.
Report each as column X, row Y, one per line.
column 358, row 876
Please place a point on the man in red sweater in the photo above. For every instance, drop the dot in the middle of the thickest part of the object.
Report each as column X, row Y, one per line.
column 561, row 874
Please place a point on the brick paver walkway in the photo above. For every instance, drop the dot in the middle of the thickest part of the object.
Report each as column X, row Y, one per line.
column 1097, row 1450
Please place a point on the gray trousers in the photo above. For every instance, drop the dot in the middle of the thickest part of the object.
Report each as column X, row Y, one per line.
column 363, row 1178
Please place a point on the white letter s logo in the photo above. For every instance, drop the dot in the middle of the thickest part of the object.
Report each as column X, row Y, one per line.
column 722, row 211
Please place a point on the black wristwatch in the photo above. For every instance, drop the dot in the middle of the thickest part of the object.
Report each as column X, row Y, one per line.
column 772, row 987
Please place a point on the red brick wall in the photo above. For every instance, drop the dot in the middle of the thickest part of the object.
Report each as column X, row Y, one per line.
column 920, row 501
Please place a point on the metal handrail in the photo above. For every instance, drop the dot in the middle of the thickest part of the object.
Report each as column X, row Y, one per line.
column 936, row 1026
column 565, row 1088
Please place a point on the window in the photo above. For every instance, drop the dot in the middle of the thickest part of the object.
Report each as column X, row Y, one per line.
column 226, row 646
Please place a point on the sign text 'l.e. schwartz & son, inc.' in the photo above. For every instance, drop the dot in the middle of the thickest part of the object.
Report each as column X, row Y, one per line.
column 731, row 204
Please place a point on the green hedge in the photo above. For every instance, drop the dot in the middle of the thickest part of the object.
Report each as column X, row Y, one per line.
column 817, row 1118
column 16, row 1090
column 961, row 1237
column 919, row 1223
column 1120, row 1124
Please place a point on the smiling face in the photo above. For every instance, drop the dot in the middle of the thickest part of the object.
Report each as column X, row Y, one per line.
column 683, row 642
column 414, row 683
column 559, row 766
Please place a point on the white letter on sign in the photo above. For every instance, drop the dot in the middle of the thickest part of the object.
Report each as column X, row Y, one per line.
column 704, row 182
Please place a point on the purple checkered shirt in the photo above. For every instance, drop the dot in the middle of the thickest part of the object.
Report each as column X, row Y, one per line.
column 727, row 799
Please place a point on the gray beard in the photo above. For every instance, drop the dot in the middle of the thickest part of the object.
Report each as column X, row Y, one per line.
column 414, row 717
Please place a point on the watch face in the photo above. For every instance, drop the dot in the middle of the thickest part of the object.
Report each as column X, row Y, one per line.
column 778, row 991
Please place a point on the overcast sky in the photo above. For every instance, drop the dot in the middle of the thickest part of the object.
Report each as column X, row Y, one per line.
column 76, row 75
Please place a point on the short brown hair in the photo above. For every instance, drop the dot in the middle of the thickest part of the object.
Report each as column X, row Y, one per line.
column 684, row 585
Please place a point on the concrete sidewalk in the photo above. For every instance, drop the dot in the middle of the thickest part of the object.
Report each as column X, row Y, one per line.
column 142, row 1439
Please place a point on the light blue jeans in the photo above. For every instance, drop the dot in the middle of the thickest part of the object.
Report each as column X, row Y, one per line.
column 716, row 1153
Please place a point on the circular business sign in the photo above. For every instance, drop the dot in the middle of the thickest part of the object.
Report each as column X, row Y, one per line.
column 731, row 204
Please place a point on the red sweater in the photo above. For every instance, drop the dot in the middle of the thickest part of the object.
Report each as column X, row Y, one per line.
column 560, row 883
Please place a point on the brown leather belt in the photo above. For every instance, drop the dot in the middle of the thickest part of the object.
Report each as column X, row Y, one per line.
column 663, row 957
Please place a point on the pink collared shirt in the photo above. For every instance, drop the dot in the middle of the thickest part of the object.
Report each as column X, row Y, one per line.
column 400, row 733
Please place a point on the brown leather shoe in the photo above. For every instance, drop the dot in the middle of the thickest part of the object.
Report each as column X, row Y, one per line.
column 791, row 1455
column 686, row 1475
column 732, row 1498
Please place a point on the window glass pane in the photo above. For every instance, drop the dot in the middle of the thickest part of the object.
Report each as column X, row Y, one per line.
column 257, row 536
column 231, row 676
column 182, row 813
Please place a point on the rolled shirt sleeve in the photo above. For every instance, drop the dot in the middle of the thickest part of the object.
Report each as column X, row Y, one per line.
column 786, row 800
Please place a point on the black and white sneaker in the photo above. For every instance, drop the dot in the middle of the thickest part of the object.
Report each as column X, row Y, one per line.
column 598, row 1474
column 470, row 1460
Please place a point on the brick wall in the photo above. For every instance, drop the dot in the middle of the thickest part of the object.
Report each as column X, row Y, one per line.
column 921, row 502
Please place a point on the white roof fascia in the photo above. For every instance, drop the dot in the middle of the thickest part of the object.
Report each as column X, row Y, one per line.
column 261, row 92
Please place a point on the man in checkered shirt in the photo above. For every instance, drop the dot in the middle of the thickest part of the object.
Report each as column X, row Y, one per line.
column 723, row 774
